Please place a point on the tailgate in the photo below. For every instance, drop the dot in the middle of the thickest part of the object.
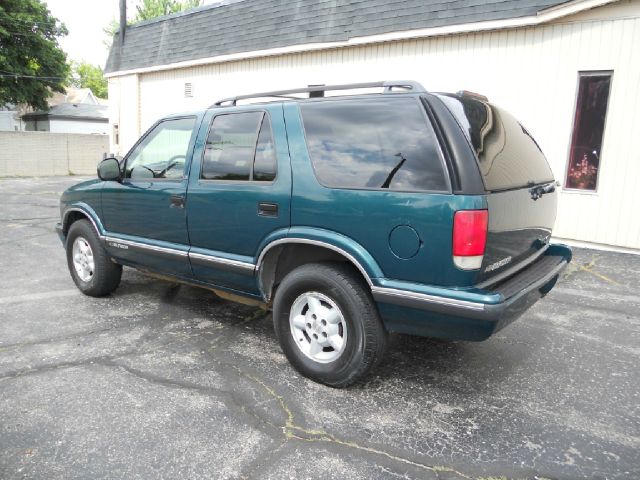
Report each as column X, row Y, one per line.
column 520, row 186
column 519, row 230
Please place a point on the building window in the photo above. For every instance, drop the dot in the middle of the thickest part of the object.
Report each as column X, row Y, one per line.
column 588, row 130
column 188, row 90
column 116, row 134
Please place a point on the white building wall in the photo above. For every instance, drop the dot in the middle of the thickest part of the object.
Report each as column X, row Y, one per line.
column 58, row 125
column 533, row 72
column 32, row 154
column 124, row 111
column 9, row 121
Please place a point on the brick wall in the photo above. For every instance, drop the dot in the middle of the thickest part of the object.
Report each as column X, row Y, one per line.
column 26, row 154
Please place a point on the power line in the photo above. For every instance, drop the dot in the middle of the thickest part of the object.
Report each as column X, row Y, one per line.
column 14, row 73
column 19, row 75
column 22, row 34
column 30, row 22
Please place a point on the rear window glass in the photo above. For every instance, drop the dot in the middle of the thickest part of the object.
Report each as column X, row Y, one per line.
column 381, row 143
column 240, row 147
column 231, row 146
column 507, row 154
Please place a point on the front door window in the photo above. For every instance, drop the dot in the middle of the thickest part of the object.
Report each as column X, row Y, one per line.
column 163, row 152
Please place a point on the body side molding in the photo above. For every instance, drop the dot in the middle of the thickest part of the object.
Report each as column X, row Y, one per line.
column 173, row 252
column 221, row 262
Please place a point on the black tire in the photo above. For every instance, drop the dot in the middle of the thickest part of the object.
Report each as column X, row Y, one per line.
column 106, row 274
column 366, row 339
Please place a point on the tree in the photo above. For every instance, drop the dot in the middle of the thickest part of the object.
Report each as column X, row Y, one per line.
column 32, row 64
column 85, row 75
column 157, row 8
column 151, row 9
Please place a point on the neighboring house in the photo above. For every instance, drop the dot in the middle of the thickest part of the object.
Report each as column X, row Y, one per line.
column 569, row 70
column 69, row 118
column 74, row 95
column 10, row 119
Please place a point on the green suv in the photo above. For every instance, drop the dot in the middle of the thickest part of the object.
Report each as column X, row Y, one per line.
column 349, row 214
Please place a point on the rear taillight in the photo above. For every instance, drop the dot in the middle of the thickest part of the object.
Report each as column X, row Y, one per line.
column 469, row 238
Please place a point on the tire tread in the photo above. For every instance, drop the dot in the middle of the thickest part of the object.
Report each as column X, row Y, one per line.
column 107, row 274
column 348, row 279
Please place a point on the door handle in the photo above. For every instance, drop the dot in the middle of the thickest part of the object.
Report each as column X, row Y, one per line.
column 267, row 209
column 176, row 201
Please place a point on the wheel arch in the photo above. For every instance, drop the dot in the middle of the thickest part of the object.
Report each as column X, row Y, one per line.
column 281, row 256
column 75, row 213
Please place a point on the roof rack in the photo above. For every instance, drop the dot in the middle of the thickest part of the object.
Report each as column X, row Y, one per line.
column 319, row 90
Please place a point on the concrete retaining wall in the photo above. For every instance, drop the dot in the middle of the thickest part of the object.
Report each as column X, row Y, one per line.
column 27, row 154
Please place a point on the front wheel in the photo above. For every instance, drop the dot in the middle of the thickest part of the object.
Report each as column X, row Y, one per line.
column 92, row 270
column 327, row 324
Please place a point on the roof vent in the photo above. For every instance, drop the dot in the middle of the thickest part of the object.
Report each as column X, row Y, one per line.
column 188, row 90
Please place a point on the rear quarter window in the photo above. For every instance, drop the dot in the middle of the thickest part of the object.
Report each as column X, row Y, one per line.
column 507, row 154
column 382, row 143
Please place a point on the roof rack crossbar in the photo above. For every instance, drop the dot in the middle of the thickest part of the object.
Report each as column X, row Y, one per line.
column 388, row 87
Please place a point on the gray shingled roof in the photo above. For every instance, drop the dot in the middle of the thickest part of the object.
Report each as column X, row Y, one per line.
column 236, row 26
column 84, row 111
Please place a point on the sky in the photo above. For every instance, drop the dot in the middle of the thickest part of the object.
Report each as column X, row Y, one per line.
column 85, row 20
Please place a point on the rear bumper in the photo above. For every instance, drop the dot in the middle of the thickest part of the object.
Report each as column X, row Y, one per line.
column 471, row 314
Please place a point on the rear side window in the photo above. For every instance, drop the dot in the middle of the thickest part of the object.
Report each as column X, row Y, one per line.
column 507, row 154
column 382, row 143
column 240, row 147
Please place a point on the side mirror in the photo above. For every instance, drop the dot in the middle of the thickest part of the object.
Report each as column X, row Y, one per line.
column 109, row 170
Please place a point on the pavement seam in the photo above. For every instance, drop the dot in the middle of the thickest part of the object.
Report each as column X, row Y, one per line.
column 292, row 430
column 229, row 397
column 48, row 341
column 57, row 366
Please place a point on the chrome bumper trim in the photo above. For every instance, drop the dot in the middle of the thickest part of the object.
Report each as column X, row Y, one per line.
column 392, row 294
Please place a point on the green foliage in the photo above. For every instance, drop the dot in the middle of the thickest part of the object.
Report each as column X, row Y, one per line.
column 85, row 75
column 157, row 8
column 110, row 31
column 32, row 64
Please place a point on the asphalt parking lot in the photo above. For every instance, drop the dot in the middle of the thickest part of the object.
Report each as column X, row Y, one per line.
column 166, row 381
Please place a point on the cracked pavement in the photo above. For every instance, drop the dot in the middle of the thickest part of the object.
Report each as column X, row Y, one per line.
column 166, row 381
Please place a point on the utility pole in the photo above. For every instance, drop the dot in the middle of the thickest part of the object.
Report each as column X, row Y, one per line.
column 123, row 20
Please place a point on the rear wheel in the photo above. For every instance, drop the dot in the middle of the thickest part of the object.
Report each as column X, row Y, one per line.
column 92, row 270
column 327, row 324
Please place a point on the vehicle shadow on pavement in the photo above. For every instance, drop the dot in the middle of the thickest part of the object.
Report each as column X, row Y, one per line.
column 474, row 366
